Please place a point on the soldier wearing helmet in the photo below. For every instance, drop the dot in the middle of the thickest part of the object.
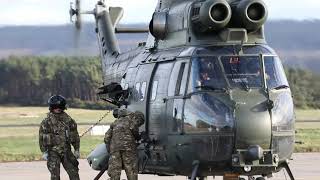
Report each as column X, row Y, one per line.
column 121, row 140
column 57, row 133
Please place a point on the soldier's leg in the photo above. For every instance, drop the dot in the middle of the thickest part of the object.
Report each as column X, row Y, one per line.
column 115, row 166
column 70, row 164
column 53, row 165
column 130, row 164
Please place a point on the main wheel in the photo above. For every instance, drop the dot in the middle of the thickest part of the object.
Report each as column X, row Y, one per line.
column 202, row 178
column 260, row 178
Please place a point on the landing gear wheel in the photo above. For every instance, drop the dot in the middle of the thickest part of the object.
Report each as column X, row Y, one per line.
column 202, row 178
column 260, row 178
column 240, row 178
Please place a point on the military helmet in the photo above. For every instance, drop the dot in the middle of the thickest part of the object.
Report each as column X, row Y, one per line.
column 123, row 112
column 57, row 101
column 115, row 113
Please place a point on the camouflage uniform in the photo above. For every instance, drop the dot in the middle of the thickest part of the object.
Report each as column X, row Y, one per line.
column 121, row 142
column 53, row 134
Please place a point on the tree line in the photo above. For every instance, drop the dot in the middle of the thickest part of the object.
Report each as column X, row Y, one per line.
column 31, row 80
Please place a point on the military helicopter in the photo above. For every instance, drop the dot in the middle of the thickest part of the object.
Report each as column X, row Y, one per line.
column 214, row 94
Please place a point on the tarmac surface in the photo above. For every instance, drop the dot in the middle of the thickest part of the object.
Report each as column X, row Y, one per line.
column 304, row 167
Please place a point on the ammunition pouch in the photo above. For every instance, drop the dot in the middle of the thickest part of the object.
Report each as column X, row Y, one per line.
column 47, row 140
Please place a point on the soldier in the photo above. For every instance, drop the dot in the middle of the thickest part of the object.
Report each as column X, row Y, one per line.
column 121, row 144
column 58, row 131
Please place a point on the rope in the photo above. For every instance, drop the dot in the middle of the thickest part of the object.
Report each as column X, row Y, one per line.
column 98, row 122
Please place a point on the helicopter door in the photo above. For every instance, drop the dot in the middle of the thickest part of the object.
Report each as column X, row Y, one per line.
column 139, row 86
column 176, row 92
column 157, row 104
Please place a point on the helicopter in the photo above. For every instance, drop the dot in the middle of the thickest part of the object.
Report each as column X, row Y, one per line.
column 214, row 94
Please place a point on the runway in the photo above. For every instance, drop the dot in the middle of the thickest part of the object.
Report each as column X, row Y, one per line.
column 304, row 167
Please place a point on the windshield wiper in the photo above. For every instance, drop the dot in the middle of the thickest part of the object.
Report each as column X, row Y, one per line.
column 211, row 88
column 281, row 87
column 245, row 85
column 242, row 83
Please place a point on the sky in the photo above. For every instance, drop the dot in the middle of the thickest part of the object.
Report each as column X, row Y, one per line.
column 52, row 12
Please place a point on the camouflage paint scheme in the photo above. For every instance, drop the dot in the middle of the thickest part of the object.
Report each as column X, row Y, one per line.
column 239, row 121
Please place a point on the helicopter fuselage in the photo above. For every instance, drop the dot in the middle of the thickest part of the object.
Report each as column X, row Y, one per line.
column 211, row 107
column 215, row 96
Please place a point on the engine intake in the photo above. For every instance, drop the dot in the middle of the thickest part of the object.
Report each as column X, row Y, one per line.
column 211, row 15
column 251, row 14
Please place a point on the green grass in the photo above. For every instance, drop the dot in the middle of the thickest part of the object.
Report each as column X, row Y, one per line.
column 28, row 131
column 34, row 115
column 21, row 143
column 27, row 148
column 310, row 139
column 310, row 115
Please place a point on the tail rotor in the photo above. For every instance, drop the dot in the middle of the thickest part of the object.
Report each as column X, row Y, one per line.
column 76, row 12
column 75, row 17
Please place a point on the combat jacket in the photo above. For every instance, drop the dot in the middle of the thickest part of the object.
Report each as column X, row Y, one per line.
column 123, row 133
column 57, row 132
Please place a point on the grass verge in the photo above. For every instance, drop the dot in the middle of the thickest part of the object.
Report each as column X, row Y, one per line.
column 27, row 148
column 310, row 139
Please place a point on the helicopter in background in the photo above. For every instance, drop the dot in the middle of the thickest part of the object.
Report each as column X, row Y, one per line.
column 214, row 94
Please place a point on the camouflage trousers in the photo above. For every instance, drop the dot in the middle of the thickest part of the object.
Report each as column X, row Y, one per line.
column 126, row 160
column 53, row 164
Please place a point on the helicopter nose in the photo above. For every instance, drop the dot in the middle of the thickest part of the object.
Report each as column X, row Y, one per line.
column 253, row 124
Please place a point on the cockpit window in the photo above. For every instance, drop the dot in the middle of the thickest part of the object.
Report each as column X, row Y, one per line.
column 243, row 71
column 205, row 113
column 206, row 74
column 275, row 74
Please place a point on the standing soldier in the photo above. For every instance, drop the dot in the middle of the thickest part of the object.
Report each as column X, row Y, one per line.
column 58, row 131
column 121, row 140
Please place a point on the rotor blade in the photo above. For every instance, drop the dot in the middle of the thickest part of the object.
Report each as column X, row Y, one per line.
column 78, row 15
column 76, row 40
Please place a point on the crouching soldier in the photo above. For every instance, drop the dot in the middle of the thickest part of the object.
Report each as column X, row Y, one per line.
column 58, row 131
column 121, row 140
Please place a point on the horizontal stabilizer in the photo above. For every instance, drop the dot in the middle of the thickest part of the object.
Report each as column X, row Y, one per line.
column 116, row 13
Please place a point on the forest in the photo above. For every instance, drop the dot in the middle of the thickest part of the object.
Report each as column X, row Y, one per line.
column 30, row 80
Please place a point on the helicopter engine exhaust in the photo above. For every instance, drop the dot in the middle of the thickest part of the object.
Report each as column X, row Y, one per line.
column 251, row 14
column 212, row 15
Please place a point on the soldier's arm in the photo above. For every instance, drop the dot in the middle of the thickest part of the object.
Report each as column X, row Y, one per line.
column 137, row 122
column 108, row 135
column 134, row 130
column 42, row 133
column 139, row 117
column 74, row 135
